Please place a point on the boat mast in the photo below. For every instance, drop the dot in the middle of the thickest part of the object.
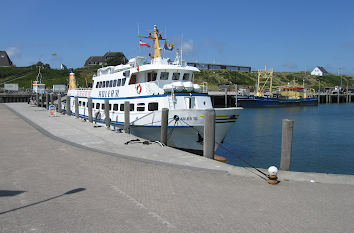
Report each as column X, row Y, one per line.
column 155, row 37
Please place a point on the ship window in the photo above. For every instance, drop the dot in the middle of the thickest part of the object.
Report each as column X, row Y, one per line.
column 115, row 107
column 131, row 107
column 140, row 107
column 118, row 82
column 84, row 104
column 115, row 83
column 164, row 76
column 175, row 76
column 102, row 106
column 151, row 76
column 153, row 106
column 97, row 84
column 123, row 81
column 121, row 108
column 97, row 106
column 107, row 83
column 103, row 84
column 186, row 76
column 110, row 83
column 79, row 103
column 131, row 81
column 110, row 106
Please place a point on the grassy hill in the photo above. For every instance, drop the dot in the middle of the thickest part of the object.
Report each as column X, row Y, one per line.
column 245, row 79
column 24, row 75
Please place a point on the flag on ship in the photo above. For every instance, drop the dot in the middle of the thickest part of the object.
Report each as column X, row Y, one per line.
column 144, row 44
column 169, row 46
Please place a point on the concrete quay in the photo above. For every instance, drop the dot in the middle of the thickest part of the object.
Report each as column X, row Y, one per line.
column 41, row 160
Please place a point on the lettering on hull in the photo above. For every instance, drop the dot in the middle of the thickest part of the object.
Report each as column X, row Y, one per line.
column 108, row 94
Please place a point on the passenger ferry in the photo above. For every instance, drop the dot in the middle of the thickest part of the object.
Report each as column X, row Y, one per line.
column 150, row 87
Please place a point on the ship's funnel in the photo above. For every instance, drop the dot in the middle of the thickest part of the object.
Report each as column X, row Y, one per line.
column 72, row 81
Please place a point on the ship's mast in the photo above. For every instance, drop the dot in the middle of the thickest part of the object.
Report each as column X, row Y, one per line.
column 155, row 37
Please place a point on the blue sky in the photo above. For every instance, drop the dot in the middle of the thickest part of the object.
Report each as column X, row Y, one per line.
column 283, row 34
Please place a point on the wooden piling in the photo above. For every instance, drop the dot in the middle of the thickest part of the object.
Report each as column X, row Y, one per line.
column 89, row 107
column 37, row 99
column 47, row 100
column 126, row 117
column 106, row 113
column 286, row 144
column 42, row 100
column 68, row 110
column 164, row 126
column 52, row 99
column 76, row 98
column 338, row 98
column 225, row 97
column 59, row 103
column 209, row 134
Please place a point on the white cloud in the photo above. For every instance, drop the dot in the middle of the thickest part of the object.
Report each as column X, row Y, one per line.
column 188, row 46
column 13, row 52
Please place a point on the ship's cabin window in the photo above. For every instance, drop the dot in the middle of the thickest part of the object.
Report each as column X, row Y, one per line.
column 102, row 106
column 103, row 84
column 115, row 107
column 123, row 81
column 186, row 76
column 107, row 83
column 140, row 107
column 83, row 103
column 118, row 82
column 97, row 84
column 110, row 106
column 122, row 107
column 132, row 80
column 100, row 85
column 151, row 76
column 164, row 76
column 97, row 106
column 126, row 73
column 115, row 83
column 79, row 103
column 175, row 76
column 153, row 106
column 111, row 83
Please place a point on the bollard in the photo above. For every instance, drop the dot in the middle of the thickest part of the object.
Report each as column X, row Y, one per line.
column 47, row 100
column 68, row 110
column 286, row 144
column 106, row 113
column 209, row 134
column 42, row 100
column 59, row 103
column 164, row 126
column 89, row 107
column 76, row 98
column 126, row 117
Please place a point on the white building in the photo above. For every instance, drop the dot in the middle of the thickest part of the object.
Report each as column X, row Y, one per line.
column 319, row 71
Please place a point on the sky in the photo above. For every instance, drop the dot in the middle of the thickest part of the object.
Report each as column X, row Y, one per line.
column 282, row 34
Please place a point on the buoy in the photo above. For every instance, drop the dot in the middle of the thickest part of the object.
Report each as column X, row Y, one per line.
column 272, row 175
column 220, row 158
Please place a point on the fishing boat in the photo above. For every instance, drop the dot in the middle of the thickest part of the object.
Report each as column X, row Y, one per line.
column 285, row 96
column 149, row 87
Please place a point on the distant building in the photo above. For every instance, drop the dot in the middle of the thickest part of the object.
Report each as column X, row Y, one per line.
column 209, row 66
column 100, row 60
column 4, row 59
column 319, row 71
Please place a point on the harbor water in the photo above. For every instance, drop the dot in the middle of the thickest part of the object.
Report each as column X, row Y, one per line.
column 323, row 138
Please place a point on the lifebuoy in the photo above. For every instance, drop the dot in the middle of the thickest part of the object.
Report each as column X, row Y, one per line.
column 139, row 89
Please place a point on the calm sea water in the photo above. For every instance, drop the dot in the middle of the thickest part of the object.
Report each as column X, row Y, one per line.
column 323, row 138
